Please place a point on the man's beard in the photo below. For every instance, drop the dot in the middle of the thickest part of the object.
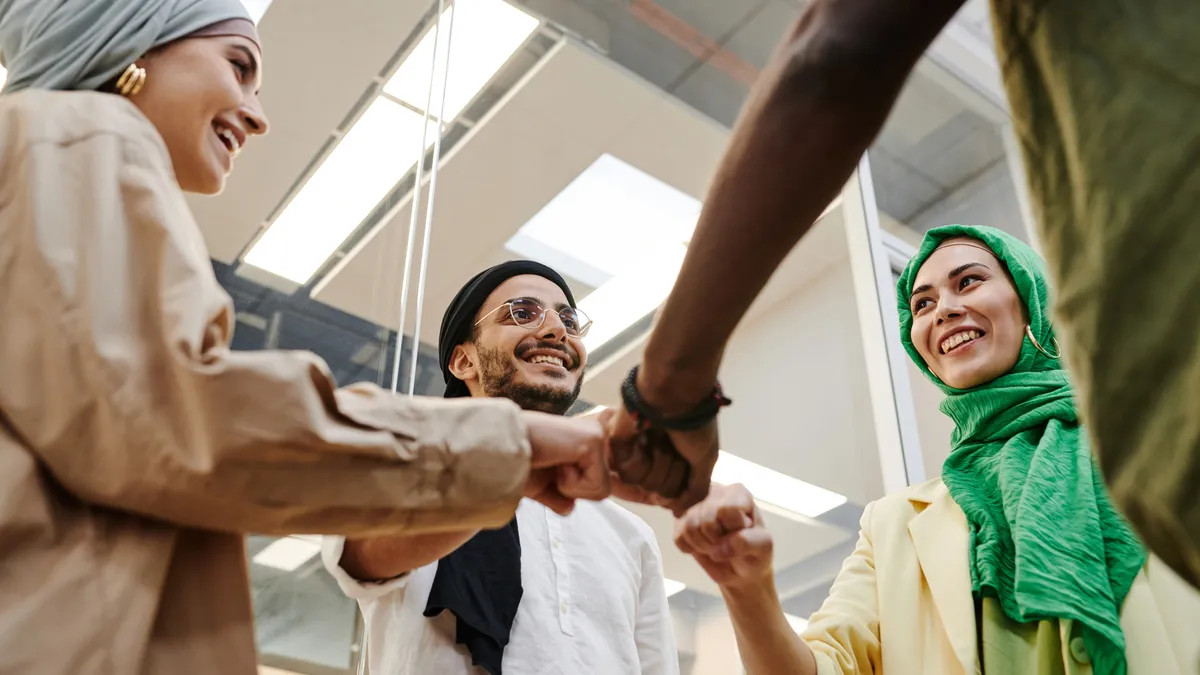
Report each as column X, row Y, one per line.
column 497, row 375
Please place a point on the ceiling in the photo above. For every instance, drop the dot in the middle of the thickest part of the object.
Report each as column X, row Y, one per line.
column 655, row 85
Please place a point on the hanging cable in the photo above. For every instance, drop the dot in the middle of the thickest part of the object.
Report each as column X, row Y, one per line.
column 429, row 203
column 416, row 201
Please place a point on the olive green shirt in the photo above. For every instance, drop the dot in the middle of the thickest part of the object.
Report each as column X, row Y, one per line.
column 1105, row 97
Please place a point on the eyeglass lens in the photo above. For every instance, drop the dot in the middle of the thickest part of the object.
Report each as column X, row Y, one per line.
column 529, row 313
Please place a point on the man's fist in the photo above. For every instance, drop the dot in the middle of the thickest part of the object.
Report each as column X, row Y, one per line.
column 568, row 460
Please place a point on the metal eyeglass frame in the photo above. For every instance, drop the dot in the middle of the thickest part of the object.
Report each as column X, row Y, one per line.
column 583, row 330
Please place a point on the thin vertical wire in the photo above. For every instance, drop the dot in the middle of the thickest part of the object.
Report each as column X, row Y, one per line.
column 416, row 203
column 429, row 203
column 412, row 229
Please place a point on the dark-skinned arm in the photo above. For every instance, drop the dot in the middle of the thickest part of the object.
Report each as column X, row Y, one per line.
column 810, row 116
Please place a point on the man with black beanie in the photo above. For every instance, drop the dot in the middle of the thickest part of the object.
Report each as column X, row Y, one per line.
column 563, row 587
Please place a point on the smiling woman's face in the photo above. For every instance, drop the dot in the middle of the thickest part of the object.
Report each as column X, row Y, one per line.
column 968, row 320
column 202, row 95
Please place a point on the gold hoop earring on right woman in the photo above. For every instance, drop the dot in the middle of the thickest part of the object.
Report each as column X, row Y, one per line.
column 131, row 81
column 1040, row 348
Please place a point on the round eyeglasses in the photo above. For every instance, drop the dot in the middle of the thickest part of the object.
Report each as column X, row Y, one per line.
column 529, row 314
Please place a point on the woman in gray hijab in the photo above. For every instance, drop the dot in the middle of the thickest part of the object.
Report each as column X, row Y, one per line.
column 135, row 447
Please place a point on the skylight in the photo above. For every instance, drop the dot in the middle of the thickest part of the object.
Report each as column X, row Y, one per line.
column 257, row 8
column 380, row 149
column 486, row 34
column 619, row 230
column 798, row 624
column 288, row 553
column 373, row 156
column 773, row 491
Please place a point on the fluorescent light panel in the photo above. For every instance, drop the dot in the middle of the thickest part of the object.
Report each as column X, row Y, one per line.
column 288, row 553
column 620, row 228
column 368, row 162
column 486, row 34
column 672, row 587
column 796, row 622
column 628, row 297
column 256, row 8
column 790, row 495
column 774, row 491
column 385, row 142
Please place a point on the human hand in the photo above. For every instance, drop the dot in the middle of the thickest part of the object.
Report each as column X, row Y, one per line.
column 568, row 460
column 668, row 468
column 725, row 534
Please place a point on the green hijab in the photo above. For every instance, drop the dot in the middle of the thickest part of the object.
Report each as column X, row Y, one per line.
column 1045, row 539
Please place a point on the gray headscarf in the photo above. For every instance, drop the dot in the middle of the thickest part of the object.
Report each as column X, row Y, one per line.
column 84, row 44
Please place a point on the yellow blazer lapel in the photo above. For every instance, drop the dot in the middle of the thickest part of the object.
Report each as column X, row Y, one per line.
column 939, row 534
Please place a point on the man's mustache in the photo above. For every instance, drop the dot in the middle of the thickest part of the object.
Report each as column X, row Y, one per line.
column 570, row 356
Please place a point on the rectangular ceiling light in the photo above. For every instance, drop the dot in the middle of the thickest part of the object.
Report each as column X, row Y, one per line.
column 3, row 76
column 789, row 496
column 628, row 297
column 776, row 492
column 256, row 8
column 486, row 34
column 796, row 622
column 368, row 162
column 267, row 670
column 672, row 587
column 288, row 553
column 619, row 229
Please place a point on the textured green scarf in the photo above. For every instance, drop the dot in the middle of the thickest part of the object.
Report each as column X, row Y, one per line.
column 1045, row 538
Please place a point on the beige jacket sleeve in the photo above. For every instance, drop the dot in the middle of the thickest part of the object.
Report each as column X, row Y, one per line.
column 844, row 633
column 116, row 371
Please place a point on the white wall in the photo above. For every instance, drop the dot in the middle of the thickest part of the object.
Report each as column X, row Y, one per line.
column 801, row 364
column 716, row 646
column 1180, row 607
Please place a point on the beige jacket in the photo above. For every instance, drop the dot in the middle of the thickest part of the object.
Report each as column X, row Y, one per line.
column 136, row 448
column 902, row 604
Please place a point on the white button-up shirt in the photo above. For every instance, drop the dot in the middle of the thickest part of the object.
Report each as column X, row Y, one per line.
column 593, row 603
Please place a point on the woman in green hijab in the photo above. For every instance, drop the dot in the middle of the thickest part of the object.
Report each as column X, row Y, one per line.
column 1014, row 562
column 974, row 317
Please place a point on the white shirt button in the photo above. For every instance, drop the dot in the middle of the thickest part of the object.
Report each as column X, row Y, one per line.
column 564, row 608
column 556, row 543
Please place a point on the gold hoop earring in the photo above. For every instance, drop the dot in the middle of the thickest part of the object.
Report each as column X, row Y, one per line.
column 1057, row 351
column 132, row 80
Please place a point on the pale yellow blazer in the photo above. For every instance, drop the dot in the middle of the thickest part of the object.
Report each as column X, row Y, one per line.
column 902, row 603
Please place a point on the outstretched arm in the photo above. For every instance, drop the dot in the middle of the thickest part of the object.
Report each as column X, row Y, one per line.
column 811, row 115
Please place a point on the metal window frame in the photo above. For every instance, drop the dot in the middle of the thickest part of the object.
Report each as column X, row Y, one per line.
column 872, row 262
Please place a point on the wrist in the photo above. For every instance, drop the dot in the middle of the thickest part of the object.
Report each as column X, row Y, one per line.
column 677, row 390
column 751, row 594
